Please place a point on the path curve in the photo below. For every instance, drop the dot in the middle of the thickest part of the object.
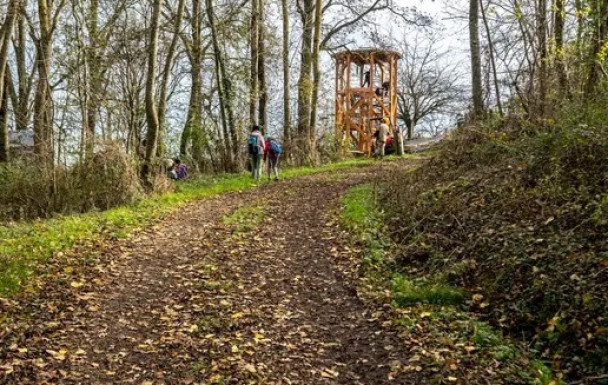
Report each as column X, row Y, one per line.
column 189, row 301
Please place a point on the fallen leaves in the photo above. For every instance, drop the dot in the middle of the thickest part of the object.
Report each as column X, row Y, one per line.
column 209, row 310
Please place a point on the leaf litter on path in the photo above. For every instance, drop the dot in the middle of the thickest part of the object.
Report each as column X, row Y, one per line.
column 187, row 302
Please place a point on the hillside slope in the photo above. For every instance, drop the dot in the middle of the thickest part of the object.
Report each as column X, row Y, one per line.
column 520, row 220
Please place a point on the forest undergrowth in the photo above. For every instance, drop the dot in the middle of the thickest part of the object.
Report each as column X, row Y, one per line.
column 448, row 344
column 515, row 216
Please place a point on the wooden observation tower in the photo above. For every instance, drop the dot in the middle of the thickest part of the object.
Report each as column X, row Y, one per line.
column 366, row 93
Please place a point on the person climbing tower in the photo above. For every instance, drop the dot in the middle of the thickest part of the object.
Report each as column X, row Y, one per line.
column 365, row 79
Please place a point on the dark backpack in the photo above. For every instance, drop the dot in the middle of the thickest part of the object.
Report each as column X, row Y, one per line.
column 275, row 147
column 254, row 148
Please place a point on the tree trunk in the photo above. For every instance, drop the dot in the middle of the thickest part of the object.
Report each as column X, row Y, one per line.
column 305, row 82
column 492, row 58
column 254, row 77
column 194, row 55
column 21, row 98
column 560, row 64
column 262, row 113
column 164, row 86
column 4, row 138
column 43, row 108
column 475, row 59
column 94, row 79
column 5, row 35
column 224, row 92
column 286, row 97
column 316, row 78
column 597, row 43
column 151, row 107
column 541, row 31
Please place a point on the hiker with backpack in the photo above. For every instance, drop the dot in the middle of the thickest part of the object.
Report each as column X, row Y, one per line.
column 179, row 170
column 256, row 145
column 272, row 153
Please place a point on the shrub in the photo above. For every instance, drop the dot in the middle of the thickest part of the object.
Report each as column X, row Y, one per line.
column 108, row 179
column 520, row 217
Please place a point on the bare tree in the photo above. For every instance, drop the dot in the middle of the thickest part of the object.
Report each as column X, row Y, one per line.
column 286, row 81
column 225, row 93
column 430, row 85
column 492, row 57
column 6, row 33
column 263, row 92
column 164, row 85
column 151, row 107
column 255, row 55
column 48, row 14
column 475, row 59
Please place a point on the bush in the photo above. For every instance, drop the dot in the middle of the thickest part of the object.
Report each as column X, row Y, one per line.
column 521, row 218
column 107, row 179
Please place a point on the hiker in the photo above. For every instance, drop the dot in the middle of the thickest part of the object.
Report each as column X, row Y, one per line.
column 272, row 153
column 167, row 167
column 365, row 79
column 255, row 146
column 383, row 132
column 179, row 170
column 182, row 169
column 385, row 87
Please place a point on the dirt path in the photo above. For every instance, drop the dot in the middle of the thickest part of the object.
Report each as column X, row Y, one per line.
column 192, row 301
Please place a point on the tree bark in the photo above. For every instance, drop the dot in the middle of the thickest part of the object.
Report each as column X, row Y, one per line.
column 597, row 42
column 6, row 34
column 43, row 103
column 286, row 96
column 305, row 81
column 475, row 59
column 151, row 107
column 224, row 92
column 316, row 78
column 560, row 64
column 4, row 138
column 541, row 31
column 492, row 58
column 94, row 78
column 194, row 49
column 164, row 85
column 262, row 113
column 254, row 77
column 21, row 97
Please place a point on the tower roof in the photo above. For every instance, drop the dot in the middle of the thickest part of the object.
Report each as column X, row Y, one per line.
column 363, row 55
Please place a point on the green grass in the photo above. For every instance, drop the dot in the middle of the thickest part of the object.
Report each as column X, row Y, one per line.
column 360, row 215
column 406, row 292
column 25, row 247
column 359, row 210
column 244, row 219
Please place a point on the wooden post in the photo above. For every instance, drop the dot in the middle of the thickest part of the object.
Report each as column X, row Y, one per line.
column 370, row 114
column 337, row 117
column 347, row 113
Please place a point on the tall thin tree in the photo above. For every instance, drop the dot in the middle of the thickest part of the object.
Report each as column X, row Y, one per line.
column 475, row 59
column 286, row 81
column 151, row 107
